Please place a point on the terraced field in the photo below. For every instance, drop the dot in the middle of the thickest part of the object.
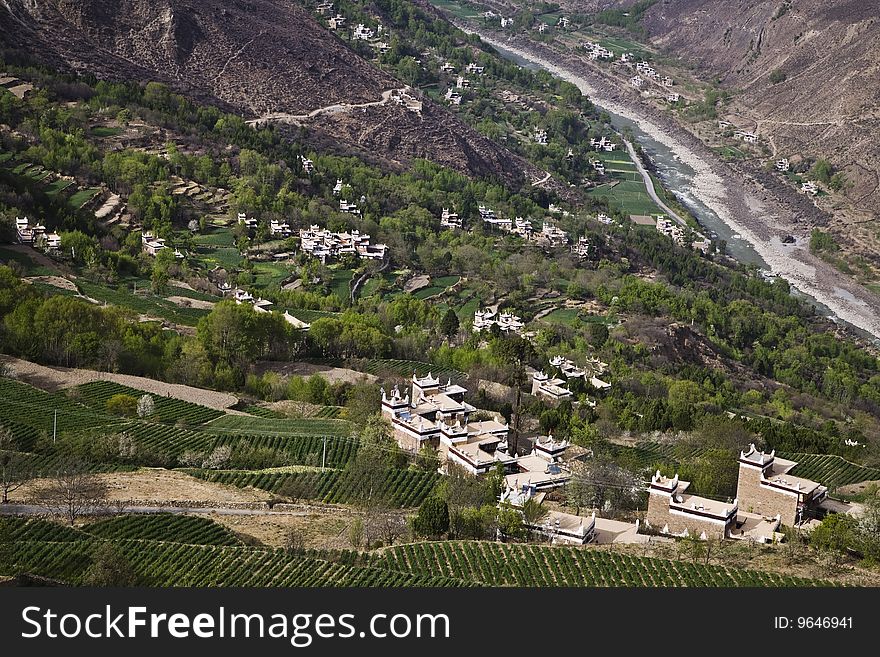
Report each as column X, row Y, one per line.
column 832, row 471
column 29, row 411
column 498, row 564
column 405, row 368
column 168, row 564
column 242, row 424
column 163, row 527
column 168, row 409
column 404, row 488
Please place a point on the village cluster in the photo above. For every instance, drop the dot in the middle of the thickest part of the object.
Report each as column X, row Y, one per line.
column 435, row 413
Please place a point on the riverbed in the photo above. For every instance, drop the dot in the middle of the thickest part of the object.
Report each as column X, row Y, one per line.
column 725, row 206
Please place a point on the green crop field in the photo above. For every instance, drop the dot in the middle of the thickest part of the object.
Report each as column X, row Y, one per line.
column 80, row 198
column 279, row 427
column 497, row 564
column 29, row 411
column 404, row 368
column 403, row 488
column 304, row 450
column 29, row 266
column 829, row 470
column 167, row 409
column 163, row 527
column 173, row 564
column 147, row 304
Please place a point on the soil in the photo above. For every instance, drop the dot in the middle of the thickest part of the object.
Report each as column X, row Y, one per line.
column 332, row 374
column 318, row 530
column 161, row 485
column 60, row 378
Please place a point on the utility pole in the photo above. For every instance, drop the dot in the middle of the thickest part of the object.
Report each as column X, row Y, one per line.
column 324, row 455
column 55, row 427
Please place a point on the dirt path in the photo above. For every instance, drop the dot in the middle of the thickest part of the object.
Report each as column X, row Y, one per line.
column 649, row 184
column 59, row 378
column 337, row 108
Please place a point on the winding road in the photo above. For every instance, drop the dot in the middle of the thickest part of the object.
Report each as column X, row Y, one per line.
column 649, row 184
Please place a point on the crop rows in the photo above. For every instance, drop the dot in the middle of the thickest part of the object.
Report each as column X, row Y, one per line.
column 305, row 450
column 166, row 439
column 14, row 529
column 170, row 564
column 168, row 409
column 23, row 406
column 403, row 488
column 273, row 426
column 498, row 564
column 832, row 471
column 164, row 527
column 261, row 411
column 407, row 367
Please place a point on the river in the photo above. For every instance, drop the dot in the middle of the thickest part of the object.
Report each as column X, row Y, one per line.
column 699, row 187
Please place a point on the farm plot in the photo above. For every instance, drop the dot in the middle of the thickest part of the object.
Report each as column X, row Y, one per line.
column 164, row 527
column 380, row 366
column 303, row 450
column 174, row 564
column 29, row 411
column 831, row 471
column 498, row 564
column 403, row 488
column 243, row 424
column 168, row 409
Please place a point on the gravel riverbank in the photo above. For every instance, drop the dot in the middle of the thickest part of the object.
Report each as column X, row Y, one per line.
column 761, row 216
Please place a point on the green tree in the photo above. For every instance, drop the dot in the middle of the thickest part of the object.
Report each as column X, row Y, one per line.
column 109, row 568
column 449, row 324
column 122, row 404
column 433, row 518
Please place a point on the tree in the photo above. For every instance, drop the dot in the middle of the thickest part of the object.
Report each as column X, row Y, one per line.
column 294, row 541
column 510, row 524
column 433, row 518
column 602, row 485
column 14, row 470
column 356, row 532
column 145, row 406
column 427, row 458
column 449, row 324
column 377, row 453
column 532, row 511
column 122, row 404
column 109, row 567
column 383, row 524
column 72, row 490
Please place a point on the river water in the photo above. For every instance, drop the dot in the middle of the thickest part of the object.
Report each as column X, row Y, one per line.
column 678, row 177
column 675, row 175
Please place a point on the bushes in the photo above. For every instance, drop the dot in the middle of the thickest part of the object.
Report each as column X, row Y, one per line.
column 433, row 518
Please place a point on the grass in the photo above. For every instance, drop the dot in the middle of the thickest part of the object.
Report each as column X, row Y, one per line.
column 269, row 274
column 106, row 131
column 82, row 197
column 339, row 285
column 215, row 237
column 58, row 186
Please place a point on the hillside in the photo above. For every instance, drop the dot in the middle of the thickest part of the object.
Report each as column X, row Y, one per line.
column 823, row 58
column 257, row 58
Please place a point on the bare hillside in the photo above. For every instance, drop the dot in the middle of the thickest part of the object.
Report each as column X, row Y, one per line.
column 256, row 57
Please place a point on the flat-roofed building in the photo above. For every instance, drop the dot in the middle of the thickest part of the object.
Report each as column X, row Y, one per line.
column 765, row 487
column 671, row 510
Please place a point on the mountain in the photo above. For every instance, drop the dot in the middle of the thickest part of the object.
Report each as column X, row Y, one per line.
column 257, row 57
column 805, row 74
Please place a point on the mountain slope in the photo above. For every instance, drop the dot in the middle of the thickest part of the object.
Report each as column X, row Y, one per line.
column 258, row 57
column 827, row 104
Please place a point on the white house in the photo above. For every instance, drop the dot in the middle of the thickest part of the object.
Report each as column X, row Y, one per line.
column 810, row 187
column 307, row 165
column 636, row 81
column 279, row 229
column 540, row 136
column 151, row 245
column 462, row 83
column 602, row 144
column 473, row 69
column 337, row 188
column 782, row 165
column 450, row 219
column 447, row 67
column 362, row 33
column 336, row 22
column 324, row 244
column 452, row 97
column 506, row 321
